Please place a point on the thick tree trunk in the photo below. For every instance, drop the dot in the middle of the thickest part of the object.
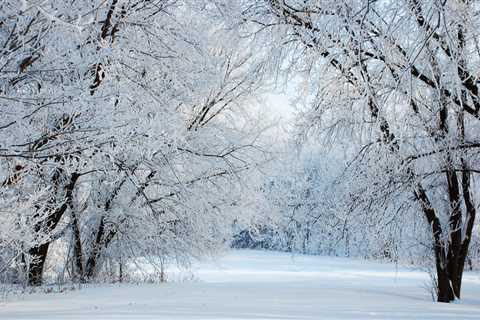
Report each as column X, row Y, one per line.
column 455, row 233
column 35, row 270
column 444, row 290
column 39, row 252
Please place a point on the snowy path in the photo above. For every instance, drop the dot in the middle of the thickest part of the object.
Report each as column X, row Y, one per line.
column 260, row 285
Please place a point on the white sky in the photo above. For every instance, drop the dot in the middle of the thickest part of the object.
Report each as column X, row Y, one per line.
column 277, row 108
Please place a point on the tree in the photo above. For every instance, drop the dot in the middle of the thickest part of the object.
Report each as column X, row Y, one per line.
column 124, row 124
column 399, row 78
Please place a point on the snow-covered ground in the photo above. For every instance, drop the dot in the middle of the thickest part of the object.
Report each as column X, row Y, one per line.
column 260, row 285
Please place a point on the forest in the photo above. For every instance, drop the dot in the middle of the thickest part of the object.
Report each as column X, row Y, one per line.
column 142, row 134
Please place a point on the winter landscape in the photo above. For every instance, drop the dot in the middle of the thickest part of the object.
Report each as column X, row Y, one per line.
column 256, row 285
column 239, row 159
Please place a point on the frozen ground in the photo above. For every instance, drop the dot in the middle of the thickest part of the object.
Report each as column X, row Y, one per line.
column 260, row 285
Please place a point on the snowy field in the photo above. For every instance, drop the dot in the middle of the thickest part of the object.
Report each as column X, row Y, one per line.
column 260, row 285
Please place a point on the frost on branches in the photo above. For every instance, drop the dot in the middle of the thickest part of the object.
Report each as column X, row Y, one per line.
column 396, row 81
column 130, row 129
column 124, row 133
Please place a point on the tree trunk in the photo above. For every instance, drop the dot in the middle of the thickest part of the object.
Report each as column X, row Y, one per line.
column 101, row 242
column 77, row 250
column 102, row 237
column 39, row 252
column 92, row 259
column 444, row 289
column 35, row 270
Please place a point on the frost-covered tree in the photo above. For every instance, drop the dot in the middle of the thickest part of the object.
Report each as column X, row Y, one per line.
column 123, row 122
column 398, row 80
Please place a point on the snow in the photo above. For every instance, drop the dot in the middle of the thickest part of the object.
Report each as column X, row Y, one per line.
column 260, row 285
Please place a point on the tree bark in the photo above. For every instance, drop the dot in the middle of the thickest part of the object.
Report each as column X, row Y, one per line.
column 35, row 270
column 39, row 252
column 77, row 250
column 92, row 258
column 444, row 290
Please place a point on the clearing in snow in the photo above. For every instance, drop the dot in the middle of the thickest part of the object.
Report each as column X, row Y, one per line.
column 260, row 285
